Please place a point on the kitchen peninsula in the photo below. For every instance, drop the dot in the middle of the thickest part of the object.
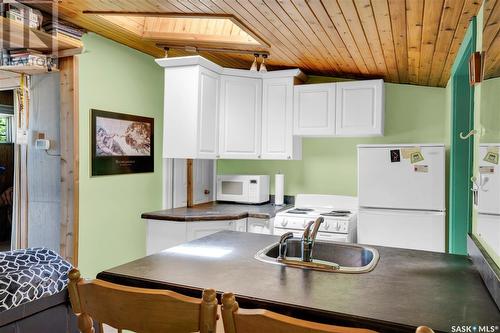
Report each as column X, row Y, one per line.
column 427, row 288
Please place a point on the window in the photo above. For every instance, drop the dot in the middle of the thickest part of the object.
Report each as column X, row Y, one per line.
column 5, row 128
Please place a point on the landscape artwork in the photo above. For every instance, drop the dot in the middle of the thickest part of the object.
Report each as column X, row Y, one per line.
column 121, row 143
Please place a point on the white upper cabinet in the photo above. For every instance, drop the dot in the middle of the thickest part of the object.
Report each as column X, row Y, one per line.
column 360, row 108
column 240, row 117
column 278, row 142
column 208, row 137
column 190, row 117
column 314, row 109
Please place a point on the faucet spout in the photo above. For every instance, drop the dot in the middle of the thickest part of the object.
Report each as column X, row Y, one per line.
column 282, row 245
column 309, row 237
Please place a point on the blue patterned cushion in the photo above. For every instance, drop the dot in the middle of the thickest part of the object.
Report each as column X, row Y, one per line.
column 29, row 274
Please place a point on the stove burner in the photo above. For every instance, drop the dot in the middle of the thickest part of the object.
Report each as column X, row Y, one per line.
column 300, row 210
column 337, row 213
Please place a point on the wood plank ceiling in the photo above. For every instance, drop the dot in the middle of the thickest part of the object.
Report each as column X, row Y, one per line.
column 403, row 41
column 491, row 38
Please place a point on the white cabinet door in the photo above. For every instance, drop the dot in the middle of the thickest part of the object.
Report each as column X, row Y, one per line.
column 314, row 109
column 162, row 235
column 240, row 117
column 260, row 226
column 208, row 135
column 360, row 108
column 190, row 120
column 278, row 142
column 200, row 229
column 241, row 225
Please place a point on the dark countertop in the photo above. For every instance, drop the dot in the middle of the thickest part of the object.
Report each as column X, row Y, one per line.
column 216, row 211
column 406, row 289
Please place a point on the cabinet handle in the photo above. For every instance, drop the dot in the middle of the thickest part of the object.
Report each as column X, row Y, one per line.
column 289, row 157
column 258, row 156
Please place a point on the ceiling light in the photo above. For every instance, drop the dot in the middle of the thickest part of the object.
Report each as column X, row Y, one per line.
column 254, row 63
column 263, row 68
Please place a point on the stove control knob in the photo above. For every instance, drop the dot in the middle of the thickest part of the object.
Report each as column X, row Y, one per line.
column 327, row 225
column 339, row 225
column 284, row 223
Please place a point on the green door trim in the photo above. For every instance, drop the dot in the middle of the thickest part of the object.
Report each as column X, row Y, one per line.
column 461, row 152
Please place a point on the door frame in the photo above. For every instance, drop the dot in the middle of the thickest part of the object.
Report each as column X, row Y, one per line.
column 460, row 216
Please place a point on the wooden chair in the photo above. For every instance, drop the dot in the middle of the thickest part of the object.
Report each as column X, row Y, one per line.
column 138, row 309
column 238, row 320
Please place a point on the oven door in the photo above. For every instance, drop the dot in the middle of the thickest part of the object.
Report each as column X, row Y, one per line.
column 232, row 189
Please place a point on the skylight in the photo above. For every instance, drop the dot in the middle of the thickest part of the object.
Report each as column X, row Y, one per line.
column 196, row 31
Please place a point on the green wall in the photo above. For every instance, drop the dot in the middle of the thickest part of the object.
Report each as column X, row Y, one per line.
column 116, row 78
column 413, row 114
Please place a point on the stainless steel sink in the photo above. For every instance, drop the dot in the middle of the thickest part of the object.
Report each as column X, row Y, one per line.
column 330, row 257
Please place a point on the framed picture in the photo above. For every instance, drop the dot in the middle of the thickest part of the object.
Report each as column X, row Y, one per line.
column 121, row 143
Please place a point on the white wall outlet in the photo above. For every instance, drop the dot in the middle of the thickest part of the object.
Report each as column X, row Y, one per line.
column 42, row 144
column 22, row 136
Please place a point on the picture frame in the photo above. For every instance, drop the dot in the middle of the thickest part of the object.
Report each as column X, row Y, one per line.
column 121, row 143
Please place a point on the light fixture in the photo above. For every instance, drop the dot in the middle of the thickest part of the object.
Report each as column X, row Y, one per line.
column 254, row 63
column 263, row 64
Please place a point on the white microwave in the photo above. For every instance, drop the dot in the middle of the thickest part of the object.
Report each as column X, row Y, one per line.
column 252, row 189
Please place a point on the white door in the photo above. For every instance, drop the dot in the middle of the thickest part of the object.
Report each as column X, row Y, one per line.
column 416, row 230
column 489, row 182
column 179, row 175
column 314, row 109
column 197, row 230
column 383, row 183
column 203, row 174
column 203, row 178
column 488, row 229
column 278, row 141
column 240, row 117
column 360, row 108
column 208, row 135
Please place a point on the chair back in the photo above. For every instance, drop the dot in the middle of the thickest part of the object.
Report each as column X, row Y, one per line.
column 138, row 309
column 238, row 320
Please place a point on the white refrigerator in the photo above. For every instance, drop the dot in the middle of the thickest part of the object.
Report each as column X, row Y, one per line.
column 401, row 190
column 488, row 208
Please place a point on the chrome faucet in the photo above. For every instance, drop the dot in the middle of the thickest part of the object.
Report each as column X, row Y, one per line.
column 308, row 239
column 282, row 245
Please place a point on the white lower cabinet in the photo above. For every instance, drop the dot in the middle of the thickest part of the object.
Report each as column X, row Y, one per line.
column 260, row 226
column 162, row 235
column 200, row 229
